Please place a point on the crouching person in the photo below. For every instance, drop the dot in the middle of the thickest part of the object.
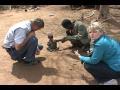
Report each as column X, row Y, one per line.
column 104, row 63
column 76, row 33
column 21, row 43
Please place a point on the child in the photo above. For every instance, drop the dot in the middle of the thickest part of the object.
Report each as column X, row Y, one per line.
column 52, row 44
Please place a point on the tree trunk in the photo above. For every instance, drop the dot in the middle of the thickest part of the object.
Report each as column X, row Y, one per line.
column 104, row 12
column 106, row 17
column 10, row 8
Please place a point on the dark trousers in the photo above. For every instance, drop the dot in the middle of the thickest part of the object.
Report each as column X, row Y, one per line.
column 28, row 51
column 77, row 43
column 101, row 72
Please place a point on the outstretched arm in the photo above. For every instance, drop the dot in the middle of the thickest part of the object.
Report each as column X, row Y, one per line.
column 78, row 55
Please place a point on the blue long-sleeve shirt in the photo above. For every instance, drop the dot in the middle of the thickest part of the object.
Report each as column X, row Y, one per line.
column 106, row 50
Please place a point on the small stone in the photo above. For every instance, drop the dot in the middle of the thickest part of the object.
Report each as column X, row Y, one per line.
column 70, row 69
column 74, row 64
column 51, row 14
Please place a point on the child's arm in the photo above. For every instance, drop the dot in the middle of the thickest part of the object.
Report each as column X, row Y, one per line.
column 48, row 43
column 57, row 40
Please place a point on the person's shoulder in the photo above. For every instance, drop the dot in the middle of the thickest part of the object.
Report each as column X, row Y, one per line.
column 112, row 40
column 77, row 22
column 104, row 40
column 26, row 22
column 80, row 24
column 22, row 23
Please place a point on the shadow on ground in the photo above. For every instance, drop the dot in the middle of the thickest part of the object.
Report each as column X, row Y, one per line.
column 32, row 73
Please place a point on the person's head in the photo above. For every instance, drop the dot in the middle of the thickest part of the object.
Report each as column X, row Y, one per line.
column 37, row 24
column 95, row 30
column 67, row 24
column 50, row 35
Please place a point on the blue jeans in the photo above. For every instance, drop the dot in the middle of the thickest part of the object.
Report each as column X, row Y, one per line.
column 28, row 51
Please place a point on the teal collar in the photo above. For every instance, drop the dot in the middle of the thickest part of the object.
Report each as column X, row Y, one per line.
column 99, row 38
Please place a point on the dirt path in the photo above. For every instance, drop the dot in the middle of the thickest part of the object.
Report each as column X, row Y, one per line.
column 60, row 67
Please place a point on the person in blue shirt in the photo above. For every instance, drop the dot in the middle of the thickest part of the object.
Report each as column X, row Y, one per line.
column 104, row 63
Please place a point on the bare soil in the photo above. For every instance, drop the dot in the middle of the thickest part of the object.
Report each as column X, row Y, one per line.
column 56, row 68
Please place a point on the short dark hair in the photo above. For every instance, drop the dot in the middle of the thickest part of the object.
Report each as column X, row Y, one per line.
column 39, row 22
column 66, row 23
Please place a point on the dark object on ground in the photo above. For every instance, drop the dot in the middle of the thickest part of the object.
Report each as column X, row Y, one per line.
column 34, row 62
column 73, row 7
column 26, row 10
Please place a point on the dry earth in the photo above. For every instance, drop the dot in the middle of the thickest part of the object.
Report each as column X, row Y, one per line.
column 56, row 68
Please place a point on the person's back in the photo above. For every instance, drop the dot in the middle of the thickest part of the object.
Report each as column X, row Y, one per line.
column 10, row 36
column 80, row 29
column 111, row 49
column 21, row 42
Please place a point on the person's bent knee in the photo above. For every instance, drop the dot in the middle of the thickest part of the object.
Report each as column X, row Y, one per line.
column 34, row 40
column 88, row 66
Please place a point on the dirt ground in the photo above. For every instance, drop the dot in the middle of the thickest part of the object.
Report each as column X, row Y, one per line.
column 56, row 68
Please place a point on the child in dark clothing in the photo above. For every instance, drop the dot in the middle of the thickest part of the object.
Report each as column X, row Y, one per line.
column 52, row 44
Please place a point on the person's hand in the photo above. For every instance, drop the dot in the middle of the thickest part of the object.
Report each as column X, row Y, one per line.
column 31, row 34
column 89, row 53
column 76, row 53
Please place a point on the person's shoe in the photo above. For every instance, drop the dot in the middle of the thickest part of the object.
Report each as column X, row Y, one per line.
column 32, row 62
column 110, row 82
column 20, row 61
